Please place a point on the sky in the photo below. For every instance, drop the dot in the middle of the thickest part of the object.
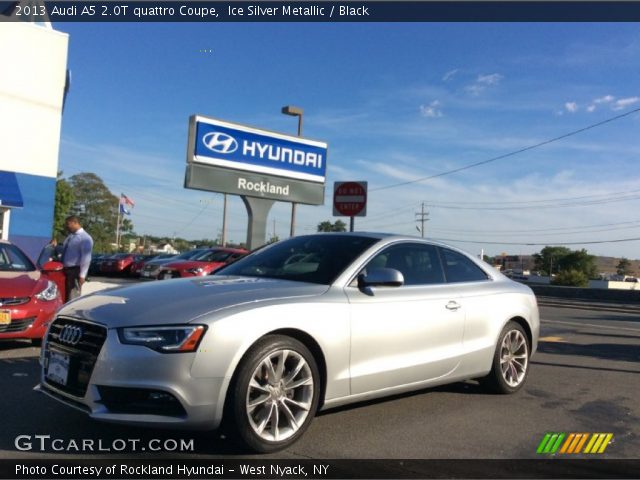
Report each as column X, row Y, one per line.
column 395, row 103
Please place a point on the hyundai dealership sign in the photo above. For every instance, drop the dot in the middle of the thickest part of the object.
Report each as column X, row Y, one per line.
column 231, row 158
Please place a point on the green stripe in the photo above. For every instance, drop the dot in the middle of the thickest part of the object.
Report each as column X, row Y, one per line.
column 558, row 443
column 543, row 443
column 552, row 440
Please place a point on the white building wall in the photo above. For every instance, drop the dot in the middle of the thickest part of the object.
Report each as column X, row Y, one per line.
column 34, row 60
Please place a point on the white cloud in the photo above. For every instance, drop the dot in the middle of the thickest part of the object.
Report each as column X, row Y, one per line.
column 449, row 75
column 492, row 79
column 605, row 99
column 432, row 110
column 591, row 108
column 625, row 102
column 482, row 82
column 571, row 107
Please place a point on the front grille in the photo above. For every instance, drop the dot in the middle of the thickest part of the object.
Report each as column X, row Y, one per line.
column 13, row 301
column 17, row 325
column 81, row 350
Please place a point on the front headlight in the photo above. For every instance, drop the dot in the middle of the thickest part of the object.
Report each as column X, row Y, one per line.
column 49, row 293
column 164, row 339
column 196, row 270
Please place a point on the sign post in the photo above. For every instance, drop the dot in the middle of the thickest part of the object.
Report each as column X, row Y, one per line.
column 350, row 200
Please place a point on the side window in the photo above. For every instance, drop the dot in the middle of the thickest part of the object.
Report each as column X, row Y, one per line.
column 418, row 263
column 459, row 268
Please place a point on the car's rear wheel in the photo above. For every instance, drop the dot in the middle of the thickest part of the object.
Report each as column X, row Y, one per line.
column 510, row 361
column 275, row 394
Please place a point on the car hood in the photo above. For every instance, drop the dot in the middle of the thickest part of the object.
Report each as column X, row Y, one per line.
column 180, row 301
column 162, row 261
column 18, row 284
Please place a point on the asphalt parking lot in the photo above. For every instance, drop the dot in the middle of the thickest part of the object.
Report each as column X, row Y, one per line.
column 584, row 378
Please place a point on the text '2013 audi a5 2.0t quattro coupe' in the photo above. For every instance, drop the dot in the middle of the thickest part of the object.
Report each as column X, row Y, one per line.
column 305, row 324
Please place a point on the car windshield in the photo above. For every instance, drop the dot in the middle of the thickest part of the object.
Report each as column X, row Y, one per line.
column 213, row 256
column 13, row 260
column 314, row 258
column 190, row 254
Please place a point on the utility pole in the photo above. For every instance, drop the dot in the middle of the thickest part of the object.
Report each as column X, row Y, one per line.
column 422, row 217
column 224, row 222
column 294, row 112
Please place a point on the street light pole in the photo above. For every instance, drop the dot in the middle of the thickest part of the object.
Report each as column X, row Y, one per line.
column 294, row 112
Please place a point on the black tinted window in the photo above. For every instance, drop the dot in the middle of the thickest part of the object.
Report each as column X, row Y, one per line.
column 418, row 263
column 13, row 260
column 459, row 268
column 314, row 258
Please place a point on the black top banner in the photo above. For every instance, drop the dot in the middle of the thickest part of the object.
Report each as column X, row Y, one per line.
column 323, row 11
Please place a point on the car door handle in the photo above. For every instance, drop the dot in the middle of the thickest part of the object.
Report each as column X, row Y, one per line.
column 453, row 306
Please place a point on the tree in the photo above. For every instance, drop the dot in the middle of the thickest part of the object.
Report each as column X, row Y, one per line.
column 580, row 261
column 571, row 278
column 327, row 226
column 62, row 209
column 624, row 267
column 549, row 258
column 97, row 209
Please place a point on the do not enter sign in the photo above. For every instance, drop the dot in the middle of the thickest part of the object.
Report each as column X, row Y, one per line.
column 350, row 199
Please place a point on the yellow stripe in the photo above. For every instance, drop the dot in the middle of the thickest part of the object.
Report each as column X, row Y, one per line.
column 605, row 443
column 582, row 440
column 599, row 440
column 567, row 443
column 594, row 437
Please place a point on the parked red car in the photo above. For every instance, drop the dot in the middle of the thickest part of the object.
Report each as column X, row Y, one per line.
column 205, row 263
column 138, row 264
column 118, row 264
column 29, row 296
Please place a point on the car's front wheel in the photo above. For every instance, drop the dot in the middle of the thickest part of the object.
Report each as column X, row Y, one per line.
column 275, row 393
column 510, row 361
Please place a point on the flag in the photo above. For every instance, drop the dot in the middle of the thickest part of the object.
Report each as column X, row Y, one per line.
column 125, row 204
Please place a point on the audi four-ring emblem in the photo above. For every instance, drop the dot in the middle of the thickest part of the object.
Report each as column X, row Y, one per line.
column 70, row 335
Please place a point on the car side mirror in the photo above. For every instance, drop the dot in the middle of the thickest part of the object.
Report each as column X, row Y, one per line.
column 381, row 277
column 52, row 266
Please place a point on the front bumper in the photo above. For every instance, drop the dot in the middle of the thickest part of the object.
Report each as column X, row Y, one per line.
column 135, row 369
column 30, row 321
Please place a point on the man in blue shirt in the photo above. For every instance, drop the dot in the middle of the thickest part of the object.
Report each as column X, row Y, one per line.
column 76, row 257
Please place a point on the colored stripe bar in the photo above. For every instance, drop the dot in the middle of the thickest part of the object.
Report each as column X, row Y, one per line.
column 605, row 442
column 583, row 440
column 592, row 441
column 550, row 444
column 568, row 442
column 543, row 443
column 554, row 449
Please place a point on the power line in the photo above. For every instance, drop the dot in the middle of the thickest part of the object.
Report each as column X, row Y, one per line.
column 550, row 204
column 510, row 154
column 537, row 243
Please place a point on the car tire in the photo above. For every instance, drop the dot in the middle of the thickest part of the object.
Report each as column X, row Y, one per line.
column 274, row 395
column 510, row 365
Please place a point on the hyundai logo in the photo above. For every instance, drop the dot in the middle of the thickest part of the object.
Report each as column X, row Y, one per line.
column 220, row 142
column 70, row 335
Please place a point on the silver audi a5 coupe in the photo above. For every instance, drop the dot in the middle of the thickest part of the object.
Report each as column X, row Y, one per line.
column 305, row 324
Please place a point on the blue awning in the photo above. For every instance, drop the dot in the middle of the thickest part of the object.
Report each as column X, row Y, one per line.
column 10, row 195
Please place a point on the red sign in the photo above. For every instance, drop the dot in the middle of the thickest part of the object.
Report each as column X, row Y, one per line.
column 350, row 199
